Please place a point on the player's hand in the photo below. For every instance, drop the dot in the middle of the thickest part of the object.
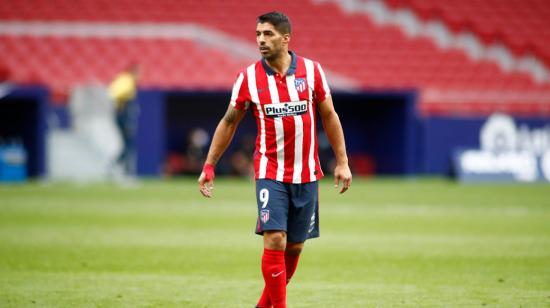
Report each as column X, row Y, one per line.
column 342, row 173
column 206, row 180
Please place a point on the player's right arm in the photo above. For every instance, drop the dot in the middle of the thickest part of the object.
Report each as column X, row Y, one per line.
column 222, row 138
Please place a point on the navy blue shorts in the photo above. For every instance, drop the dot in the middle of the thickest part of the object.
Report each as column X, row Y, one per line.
column 293, row 208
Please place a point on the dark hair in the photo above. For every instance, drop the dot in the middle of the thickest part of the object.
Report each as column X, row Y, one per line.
column 279, row 20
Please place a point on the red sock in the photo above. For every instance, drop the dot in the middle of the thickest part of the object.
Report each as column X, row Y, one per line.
column 291, row 262
column 265, row 301
column 273, row 269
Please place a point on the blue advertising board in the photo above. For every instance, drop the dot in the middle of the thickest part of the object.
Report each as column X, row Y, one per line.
column 508, row 152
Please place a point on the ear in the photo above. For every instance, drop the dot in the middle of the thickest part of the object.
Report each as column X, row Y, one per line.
column 286, row 38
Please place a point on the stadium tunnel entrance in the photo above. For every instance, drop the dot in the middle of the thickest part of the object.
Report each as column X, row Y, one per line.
column 381, row 131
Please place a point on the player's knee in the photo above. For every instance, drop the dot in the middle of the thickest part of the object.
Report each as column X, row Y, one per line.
column 275, row 240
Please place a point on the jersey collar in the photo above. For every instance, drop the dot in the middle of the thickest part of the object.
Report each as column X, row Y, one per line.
column 291, row 69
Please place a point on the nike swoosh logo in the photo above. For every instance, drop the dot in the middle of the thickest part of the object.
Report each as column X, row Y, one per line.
column 277, row 275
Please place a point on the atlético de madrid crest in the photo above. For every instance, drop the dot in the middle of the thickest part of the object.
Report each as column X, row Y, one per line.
column 300, row 84
column 264, row 215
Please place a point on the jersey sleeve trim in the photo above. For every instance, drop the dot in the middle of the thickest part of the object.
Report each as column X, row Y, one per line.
column 238, row 97
column 324, row 79
column 322, row 90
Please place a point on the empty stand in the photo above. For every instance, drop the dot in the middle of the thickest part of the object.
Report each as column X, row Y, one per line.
column 522, row 25
column 63, row 62
column 378, row 57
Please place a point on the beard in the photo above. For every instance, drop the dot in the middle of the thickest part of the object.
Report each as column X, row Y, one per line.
column 271, row 54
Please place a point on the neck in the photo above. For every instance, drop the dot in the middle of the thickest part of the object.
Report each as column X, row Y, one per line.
column 281, row 63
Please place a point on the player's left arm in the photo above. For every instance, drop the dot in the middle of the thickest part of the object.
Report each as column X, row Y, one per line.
column 335, row 134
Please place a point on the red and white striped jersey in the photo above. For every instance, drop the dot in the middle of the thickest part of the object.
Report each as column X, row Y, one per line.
column 285, row 111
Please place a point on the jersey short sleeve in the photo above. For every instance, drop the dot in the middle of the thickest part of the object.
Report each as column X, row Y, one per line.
column 240, row 96
column 321, row 89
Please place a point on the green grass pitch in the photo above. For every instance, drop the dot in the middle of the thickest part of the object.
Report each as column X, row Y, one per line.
column 385, row 243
